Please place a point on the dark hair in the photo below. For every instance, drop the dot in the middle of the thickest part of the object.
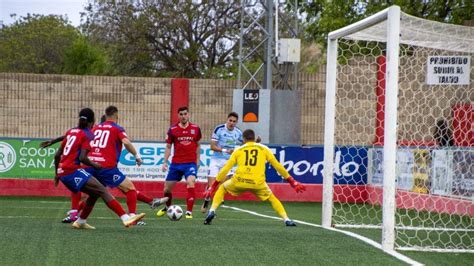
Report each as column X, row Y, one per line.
column 111, row 110
column 248, row 134
column 234, row 114
column 86, row 116
column 183, row 108
column 103, row 118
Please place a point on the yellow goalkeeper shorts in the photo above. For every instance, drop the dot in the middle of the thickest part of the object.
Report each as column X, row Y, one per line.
column 262, row 191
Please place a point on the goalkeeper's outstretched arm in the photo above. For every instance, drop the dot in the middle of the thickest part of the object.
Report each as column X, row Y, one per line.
column 229, row 164
column 282, row 171
column 221, row 177
column 278, row 167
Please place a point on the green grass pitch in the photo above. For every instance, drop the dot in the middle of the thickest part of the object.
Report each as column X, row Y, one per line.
column 32, row 234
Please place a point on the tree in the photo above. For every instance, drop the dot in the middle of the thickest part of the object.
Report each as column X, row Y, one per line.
column 166, row 38
column 82, row 58
column 323, row 16
column 36, row 44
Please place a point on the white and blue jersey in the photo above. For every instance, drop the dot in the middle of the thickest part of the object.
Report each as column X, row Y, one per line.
column 226, row 139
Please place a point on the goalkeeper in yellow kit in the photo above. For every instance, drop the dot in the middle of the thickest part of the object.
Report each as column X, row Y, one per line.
column 250, row 176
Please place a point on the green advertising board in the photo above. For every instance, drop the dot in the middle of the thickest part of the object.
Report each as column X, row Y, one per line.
column 23, row 158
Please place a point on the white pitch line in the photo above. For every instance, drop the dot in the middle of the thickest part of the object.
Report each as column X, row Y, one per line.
column 51, row 218
column 38, row 201
column 34, row 207
column 412, row 228
column 351, row 234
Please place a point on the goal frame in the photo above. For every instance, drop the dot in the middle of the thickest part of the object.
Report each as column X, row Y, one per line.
column 392, row 16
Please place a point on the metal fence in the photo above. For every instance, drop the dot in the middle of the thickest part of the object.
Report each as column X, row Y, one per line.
column 45, row 106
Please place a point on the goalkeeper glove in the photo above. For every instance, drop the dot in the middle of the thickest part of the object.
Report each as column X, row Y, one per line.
column 295, row 184
column 210, row 192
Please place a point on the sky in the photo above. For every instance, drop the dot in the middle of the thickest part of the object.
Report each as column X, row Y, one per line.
column 71, row 8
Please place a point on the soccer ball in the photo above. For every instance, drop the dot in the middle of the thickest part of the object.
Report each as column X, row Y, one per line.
column 174, row 212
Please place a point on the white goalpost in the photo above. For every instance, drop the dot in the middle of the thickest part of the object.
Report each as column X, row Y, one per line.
column 399, row 100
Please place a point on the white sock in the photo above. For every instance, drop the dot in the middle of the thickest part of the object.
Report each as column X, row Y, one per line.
column 81, row 221
column 212, row 210
column 132, row 214
column 125, row 217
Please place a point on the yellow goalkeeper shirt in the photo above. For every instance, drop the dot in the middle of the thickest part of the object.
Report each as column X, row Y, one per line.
column 251, row 159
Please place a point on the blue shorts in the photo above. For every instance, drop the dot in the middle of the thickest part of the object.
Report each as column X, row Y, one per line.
column 177, row 171
column 75, row 181
column 109, row 177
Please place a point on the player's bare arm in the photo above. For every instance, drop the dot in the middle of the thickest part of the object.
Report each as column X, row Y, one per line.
column 57, row 159
column 130, row 148
column 167, row 156
column 50, row 142
column 85, row 160
column 216, row 148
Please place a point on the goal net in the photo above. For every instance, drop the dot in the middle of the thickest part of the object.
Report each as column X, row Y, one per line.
column 399, row 95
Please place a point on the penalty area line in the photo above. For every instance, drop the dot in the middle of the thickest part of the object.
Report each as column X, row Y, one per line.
column 371, row 242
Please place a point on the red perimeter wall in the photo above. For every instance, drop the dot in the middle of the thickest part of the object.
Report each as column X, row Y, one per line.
column 313, row 193
column 45, row 187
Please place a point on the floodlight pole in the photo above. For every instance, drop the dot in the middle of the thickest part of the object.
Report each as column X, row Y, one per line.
column 257, row 17
column 268, row 51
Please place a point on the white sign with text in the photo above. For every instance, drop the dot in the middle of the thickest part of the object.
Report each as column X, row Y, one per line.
column 448, row 70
